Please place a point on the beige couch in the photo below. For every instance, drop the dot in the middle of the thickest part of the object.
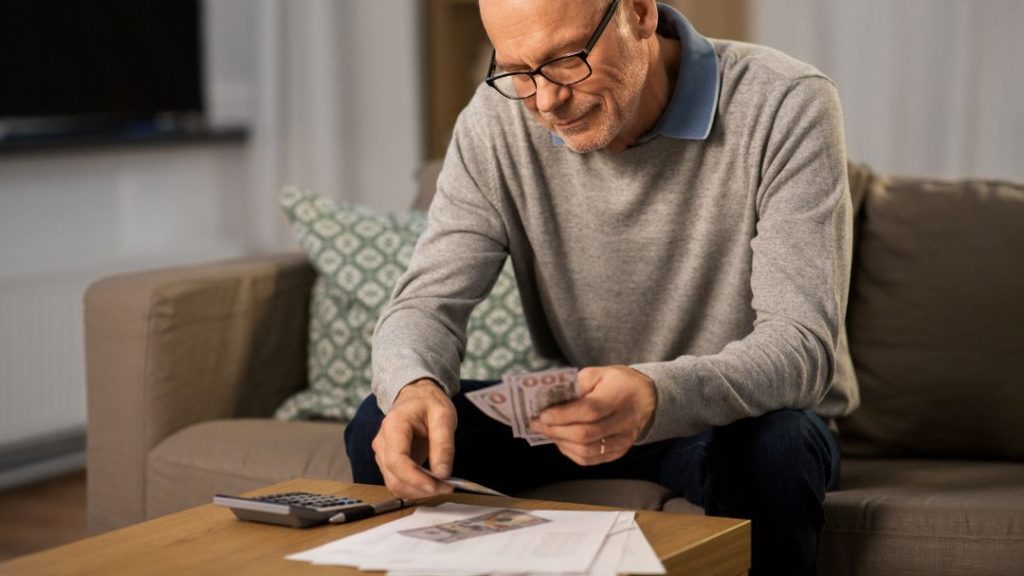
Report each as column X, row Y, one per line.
column 185, row 366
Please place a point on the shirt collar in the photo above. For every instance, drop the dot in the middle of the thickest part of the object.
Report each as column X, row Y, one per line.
column 691, row 110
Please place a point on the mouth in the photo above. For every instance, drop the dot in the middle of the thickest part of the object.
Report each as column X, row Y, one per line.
column 570, row 123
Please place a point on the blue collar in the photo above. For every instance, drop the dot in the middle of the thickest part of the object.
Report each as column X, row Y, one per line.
column 691, row 110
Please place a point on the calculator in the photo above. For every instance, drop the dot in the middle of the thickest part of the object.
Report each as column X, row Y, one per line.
column 296, row 509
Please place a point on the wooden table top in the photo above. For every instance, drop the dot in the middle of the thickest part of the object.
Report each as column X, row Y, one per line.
column 209, row 540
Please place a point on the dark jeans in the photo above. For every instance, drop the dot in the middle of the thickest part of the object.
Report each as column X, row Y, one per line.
column 773, row 470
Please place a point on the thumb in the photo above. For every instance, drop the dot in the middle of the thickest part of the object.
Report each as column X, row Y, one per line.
column 586, row 380
column 441, row 435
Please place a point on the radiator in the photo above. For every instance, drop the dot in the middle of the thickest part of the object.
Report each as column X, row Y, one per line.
column 42, row 360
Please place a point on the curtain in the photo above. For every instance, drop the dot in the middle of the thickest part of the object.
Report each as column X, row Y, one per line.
column 929, row 87
column 331, row 94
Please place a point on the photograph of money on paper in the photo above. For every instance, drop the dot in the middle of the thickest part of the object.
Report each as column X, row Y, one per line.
column 482, row 525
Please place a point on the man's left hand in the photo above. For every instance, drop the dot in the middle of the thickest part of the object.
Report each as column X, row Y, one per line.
column 615, row 406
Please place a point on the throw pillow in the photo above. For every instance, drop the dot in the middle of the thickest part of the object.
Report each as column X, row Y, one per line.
column 359, row 254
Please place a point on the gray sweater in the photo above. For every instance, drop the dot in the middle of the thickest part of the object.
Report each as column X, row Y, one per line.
column 718, row 267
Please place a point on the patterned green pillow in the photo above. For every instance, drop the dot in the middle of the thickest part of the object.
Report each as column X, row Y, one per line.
column 359, row 254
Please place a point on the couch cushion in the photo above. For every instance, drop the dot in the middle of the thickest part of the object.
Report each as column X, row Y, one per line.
column 925, row 517
column 629, row 494
column 935, row 320
column 359, row 253
column 233, row 456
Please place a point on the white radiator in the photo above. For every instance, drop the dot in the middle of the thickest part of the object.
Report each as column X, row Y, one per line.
column 42, row 360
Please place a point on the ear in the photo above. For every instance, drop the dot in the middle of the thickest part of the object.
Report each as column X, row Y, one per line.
column 643, row 17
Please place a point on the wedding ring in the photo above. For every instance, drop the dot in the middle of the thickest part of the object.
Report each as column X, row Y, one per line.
column 603, row 446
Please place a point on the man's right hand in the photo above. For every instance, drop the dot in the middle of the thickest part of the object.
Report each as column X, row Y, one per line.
column 420, row 424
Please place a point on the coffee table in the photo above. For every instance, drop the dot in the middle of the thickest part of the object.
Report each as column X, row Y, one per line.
column 209, row 540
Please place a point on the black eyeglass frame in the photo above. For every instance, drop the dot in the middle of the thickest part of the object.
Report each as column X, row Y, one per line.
column 581, row 54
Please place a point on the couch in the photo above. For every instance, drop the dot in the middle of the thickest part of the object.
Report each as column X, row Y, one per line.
column 186, row 365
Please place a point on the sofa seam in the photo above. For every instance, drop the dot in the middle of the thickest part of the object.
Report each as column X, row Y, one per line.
column 215, row 471
column 278, row 294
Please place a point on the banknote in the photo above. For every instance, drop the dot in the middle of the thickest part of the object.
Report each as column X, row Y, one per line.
column 482, row 525
column 463, row 484
column 520, row 398
column 493, row 401
column 533, row 392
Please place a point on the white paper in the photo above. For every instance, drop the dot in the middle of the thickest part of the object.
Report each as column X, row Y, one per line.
column 569, row 543
column 604, row 543
column 638, row 556
column 625, row 551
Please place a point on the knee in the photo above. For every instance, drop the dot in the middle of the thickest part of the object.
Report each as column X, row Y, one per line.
column 783, row 443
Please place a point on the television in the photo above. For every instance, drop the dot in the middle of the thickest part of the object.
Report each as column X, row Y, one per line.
column 99, row 66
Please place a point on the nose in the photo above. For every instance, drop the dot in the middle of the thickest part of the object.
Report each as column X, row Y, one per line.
column 550, row 95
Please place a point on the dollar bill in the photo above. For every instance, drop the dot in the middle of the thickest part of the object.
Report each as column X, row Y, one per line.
column 520, row 398
column 488, row 523
column 533, row 392
column 493, row 401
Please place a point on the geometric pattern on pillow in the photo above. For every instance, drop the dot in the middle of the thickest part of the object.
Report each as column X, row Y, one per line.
column 359, row 254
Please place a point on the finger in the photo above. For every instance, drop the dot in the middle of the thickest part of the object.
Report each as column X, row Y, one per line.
column 578, row 433
column 407, row 478
column 591, row 453
column 404, row 477
column 392, row 482
column 441, row 434
column 580, row 411
column 586, row 380
column 415, row 482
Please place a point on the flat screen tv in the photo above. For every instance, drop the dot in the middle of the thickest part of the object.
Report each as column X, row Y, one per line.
column 92, row 66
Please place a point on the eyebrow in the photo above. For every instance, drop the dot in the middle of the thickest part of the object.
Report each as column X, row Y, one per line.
column 559, row 50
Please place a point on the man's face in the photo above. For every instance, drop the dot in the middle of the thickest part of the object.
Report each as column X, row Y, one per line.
column 589, row 115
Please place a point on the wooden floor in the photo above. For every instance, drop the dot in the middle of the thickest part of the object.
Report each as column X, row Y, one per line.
column 43, row 515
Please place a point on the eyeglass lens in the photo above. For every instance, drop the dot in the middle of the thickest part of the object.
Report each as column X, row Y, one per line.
column 566, row 71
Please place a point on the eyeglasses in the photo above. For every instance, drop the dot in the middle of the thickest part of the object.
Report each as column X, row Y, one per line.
column 563, row 70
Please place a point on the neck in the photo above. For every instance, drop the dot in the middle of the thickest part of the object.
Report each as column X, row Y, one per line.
column 663, row 73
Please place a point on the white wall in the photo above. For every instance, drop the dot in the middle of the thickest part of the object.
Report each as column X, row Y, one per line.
column 933, row 87
column 75, row 209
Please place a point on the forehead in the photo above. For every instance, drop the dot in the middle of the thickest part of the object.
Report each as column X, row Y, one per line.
column 530, row 31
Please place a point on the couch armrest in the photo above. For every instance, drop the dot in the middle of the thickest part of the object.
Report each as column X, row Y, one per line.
column 168, row 348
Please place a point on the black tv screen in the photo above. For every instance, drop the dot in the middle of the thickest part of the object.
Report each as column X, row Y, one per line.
column 98, row 64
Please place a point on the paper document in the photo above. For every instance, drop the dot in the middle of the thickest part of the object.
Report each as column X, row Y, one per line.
column 463, row 540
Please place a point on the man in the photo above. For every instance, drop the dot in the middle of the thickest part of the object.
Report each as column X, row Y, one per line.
column 677, row 214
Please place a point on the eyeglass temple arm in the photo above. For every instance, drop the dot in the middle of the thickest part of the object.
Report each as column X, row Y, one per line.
column 600, row 28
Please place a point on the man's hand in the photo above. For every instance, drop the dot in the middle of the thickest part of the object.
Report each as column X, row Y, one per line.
column 615, row 406
column 421, row 424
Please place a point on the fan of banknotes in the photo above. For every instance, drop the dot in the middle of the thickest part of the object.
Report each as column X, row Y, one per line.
column 520, row 398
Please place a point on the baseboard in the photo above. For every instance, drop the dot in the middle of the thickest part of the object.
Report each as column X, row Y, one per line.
column 40, row 458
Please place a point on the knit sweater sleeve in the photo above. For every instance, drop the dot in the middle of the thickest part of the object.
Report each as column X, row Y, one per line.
column 422, row 331
column 800, row 281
